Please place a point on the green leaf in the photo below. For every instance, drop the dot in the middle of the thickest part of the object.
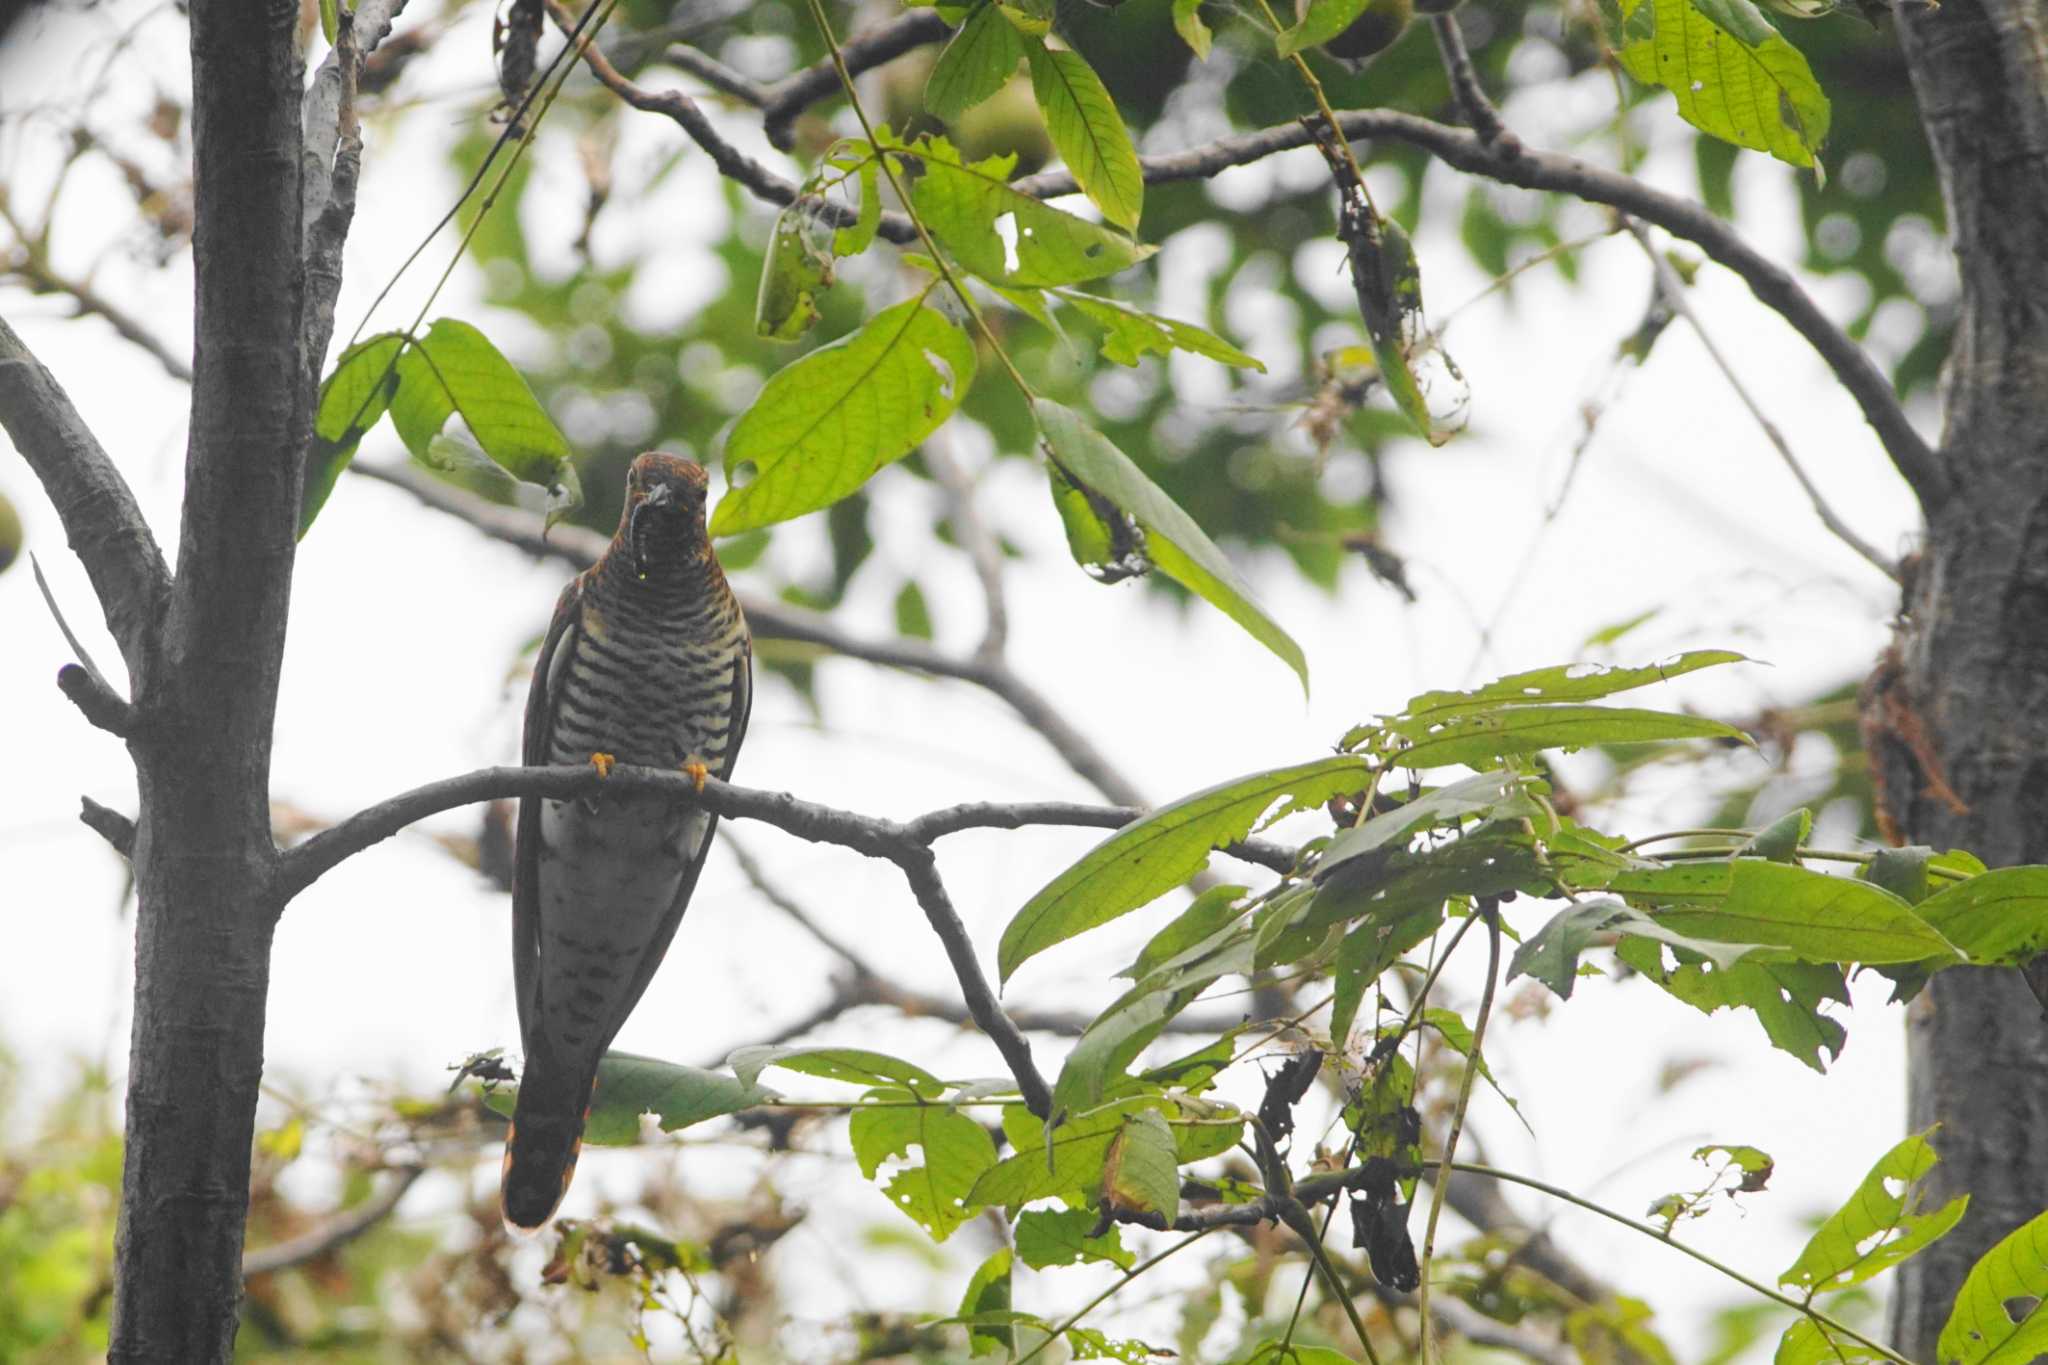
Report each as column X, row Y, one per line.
column 1068, row 1164
column 1150, row 856
column 1216, row 908
column 1486, row 794
column 455, row 370
column 1050, row 1237
column 1560, row 683
column 1369, row 950
column 824, row 425
column 1735, row 77
column 1806, row 1342
column 1110, row 1043
column 974, row 64
column 963, row 203
column 858, row 1065
column 1322, row 21
column 1486, row 736
column 330, row 20
column 1387, row 281
column 1088, row 132
column 1140, row 1173
column 1175, row 544
column 988, row 1293
column 1877, row 1228
column 956, row 1152
column 1785, row 996
column 851, row 241
column 1129, row 333
column 1779, row 905
column 1981, row 1329
column 913, row 617
column 798, row 269
column 629, row 1086
column 351, row 401
column 1997, row 918
column 1904, row 872
column 1187, row 21
column 1551, row 954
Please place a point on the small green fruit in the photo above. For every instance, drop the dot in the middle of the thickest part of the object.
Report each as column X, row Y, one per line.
column 10, row 533
column 1373, row 31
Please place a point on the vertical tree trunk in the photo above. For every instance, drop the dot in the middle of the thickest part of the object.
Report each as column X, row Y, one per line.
column 1958, row 712
column 206, row 701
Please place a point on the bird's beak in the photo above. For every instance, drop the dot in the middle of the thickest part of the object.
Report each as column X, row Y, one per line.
column 661, row 495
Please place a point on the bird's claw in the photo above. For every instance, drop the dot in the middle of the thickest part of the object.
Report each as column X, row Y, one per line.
column 697, row 773
column 603, row 763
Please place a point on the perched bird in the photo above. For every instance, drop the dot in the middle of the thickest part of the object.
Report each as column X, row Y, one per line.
column 647, row 662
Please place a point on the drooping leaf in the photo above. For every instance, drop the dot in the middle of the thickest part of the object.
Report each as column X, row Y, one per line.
column 1088, row 132
column 1369, row 950
column 1173, row 542
column 1150, row 856
column 1551, row 954
column 1786, row 997
column 858, row 1065
column 985, row 1307
column 1877, row 1228
column 1050, row 1237
column 1982, row 1328
column 1005, row 237
column 1140, row 1174
column 974, row 63
column 1424, row 381
column 1187, row 21
column 352, row 399
column 860, row 235
column 629, row 1086
column 1807, row 1342
column 1066, row 1162
column 955, row 1152
column 453, row 370
column 1216, row 908
column 824, row 425
column 1781, row 905
column 1735, row 77
column 1111, row 1042
column 1129, row 333
column 798, row 269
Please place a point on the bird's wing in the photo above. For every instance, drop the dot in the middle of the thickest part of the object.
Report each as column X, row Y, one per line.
column 559, row 643
column 742, row 708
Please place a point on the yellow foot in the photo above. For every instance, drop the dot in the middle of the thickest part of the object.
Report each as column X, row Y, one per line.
column 603, row 763
column 696, row 772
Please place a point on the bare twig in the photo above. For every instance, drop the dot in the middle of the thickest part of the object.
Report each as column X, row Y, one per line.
column 1484, row 119
column 101, row 519
column 116, row 828
column 33, row 266
column 337, row 1232
column 1672, row 288
column 102, row 706
column 974, row 537
column 789, row 97
column 715, row 74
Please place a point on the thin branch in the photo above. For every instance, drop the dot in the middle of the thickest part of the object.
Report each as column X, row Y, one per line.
column 991, row 815
column 1672, row 288
column 1480, row 114
column 116, row 828
column 773, row 620
column 101, row 520
column 337, row 1232
column 975, row 538
column 789, row 97
column 713, row 73
column 35, row 270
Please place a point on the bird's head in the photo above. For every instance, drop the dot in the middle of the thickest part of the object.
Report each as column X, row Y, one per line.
column 663, row 524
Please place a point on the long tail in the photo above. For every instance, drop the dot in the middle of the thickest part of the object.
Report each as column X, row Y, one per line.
column 543, row 1142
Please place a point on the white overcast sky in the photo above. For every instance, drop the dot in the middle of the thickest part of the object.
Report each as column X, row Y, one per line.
column 406, row 631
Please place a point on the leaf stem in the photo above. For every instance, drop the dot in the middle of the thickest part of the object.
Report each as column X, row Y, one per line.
column 1133, row 1273
column 924, row 234
column 1806, row 1310
column 1315, row 88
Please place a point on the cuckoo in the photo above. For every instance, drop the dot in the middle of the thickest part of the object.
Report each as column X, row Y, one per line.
column 647, row 662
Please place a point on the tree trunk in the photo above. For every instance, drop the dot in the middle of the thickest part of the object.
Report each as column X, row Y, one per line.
column 1958, row 711
column 206, row 702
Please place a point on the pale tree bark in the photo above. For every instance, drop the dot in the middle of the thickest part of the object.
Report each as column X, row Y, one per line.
column 1958, row 712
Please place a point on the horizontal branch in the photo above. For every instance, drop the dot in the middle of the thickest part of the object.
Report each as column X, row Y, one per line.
column 334, row 1234
column 770, row 619
column 788, row 98
column 102, row 521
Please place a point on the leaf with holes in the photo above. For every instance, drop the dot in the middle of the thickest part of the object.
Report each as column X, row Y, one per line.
column 1128, row 333
column 956, row 1151
column 1735, row 76
column 1880, row 1226
column 1006, row 237
column 1150, row 856
column 1050, row 1237
column 1786, row 997
column 1551, row 954
column 1982, row 1328
column 1425, row 714
column 1088, row 132
column 824, row 425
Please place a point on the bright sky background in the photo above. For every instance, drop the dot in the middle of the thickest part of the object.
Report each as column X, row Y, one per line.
column 407, row 631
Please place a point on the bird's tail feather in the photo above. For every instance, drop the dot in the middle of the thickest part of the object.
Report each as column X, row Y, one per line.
column 542, row 1145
